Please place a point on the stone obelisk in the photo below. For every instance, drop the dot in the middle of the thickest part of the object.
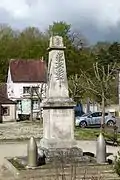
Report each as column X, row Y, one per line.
column 58, row 108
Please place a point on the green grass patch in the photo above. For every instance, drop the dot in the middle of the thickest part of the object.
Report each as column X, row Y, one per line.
column 92, row 134
column 17, row 164
column 87, row 133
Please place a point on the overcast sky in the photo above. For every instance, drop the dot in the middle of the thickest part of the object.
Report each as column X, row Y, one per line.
column 96, row 19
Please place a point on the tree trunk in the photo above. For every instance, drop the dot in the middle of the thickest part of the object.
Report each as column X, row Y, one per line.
column 88, row 105
column 39, row 106
column 103, row 111
column 1, row 113
column 31, row 98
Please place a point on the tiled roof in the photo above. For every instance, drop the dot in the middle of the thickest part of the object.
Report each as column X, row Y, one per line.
column 3, row 90
column 28, row 70
column 4, row 100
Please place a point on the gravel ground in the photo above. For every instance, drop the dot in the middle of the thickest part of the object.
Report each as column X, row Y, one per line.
column 20, row 130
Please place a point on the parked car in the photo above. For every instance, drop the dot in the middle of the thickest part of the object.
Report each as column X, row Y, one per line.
column 94, row 119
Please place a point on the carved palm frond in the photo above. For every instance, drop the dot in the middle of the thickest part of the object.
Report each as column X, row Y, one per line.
column 59, row 66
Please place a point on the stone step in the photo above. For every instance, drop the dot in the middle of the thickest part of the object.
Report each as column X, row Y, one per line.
column 106, row 172
column 89, row 177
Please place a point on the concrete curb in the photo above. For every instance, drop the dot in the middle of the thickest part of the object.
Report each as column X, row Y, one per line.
column 14, row 141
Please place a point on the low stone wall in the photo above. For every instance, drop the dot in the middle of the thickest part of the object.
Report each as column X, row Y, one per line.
column 59, row 171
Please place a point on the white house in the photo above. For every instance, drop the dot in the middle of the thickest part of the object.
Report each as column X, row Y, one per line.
column 26, row 83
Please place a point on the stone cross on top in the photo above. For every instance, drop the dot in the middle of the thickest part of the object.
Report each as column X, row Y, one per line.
column 57, row 78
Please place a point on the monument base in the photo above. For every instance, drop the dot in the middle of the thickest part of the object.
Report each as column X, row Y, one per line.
column 56, row 143
column 62, row 150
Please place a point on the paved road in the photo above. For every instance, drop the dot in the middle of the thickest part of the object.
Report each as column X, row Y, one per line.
column 90, row 146
column 12, row 150
column 20, row 149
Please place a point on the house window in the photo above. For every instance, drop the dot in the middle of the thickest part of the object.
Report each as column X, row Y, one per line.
column 26, row 90
column 35, row 90
column 19, row 105
column 35, row 104
column 6, row 111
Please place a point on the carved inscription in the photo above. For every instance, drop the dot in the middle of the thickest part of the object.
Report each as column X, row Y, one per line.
column 57, row 41
column 65, row 155
column 59, row 67
column 49, row 75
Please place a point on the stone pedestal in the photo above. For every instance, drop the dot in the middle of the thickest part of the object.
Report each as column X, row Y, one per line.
column 58, row 124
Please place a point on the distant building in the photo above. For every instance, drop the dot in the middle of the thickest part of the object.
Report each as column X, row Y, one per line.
column 7, row 106
column 26, row 83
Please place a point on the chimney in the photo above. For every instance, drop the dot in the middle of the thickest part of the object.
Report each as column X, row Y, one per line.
column 42, row 59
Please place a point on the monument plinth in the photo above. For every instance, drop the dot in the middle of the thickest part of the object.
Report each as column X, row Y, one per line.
column 58, row 108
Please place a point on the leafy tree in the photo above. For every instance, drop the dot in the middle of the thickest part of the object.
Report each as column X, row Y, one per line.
column 109, row 55
column 6, row 39
column 31, row 43
column 59, row 29
column 114, row 52
column 100, row 46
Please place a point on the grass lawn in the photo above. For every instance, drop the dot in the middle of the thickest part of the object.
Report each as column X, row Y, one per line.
column 91, row 134
column 86, row 134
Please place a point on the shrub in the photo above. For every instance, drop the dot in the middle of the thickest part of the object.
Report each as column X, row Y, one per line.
column 117, row 164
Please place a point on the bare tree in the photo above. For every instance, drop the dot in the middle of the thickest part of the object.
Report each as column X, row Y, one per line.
column 75, row 89
column 97, row 84
column 31, row 98
column 78, row 39
column 100, row 84
column 37, row 91
column 42, row 89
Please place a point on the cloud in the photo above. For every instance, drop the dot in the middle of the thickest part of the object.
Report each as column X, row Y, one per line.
column 98, row 16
